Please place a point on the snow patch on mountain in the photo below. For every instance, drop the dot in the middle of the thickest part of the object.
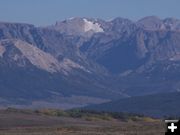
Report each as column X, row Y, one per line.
column 2, row 50
column 175, row 58
column 71, row 18
column 91, row 26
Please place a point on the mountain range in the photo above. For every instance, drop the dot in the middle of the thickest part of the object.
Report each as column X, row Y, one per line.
column 84, row 61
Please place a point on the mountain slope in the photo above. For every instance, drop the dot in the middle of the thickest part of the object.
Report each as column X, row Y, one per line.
column 158, row 105
column 80, row 61
column 29, row 75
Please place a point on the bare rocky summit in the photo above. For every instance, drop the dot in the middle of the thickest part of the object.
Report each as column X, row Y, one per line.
column 87, row 57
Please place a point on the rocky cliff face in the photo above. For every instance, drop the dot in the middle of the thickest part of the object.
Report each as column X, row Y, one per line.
column 134, row 45
column 155, row 23
column 89, row 57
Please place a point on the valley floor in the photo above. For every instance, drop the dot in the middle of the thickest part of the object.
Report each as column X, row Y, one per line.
column 18, row 123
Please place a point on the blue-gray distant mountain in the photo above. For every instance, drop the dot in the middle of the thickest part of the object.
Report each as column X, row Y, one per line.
column 81, row 61
column 157, row 105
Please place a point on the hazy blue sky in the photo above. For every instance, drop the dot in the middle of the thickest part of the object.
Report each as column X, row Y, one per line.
column 44, row 12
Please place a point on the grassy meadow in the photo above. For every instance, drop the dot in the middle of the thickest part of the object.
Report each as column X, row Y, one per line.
column 76, row 122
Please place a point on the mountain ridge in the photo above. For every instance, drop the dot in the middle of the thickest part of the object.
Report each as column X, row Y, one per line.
column 109, row 60
column 162, row 105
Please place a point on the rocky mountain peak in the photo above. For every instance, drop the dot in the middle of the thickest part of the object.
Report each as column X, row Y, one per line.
column 151, row 23
column 155, row 23
column 88, row 57
column 78, row 26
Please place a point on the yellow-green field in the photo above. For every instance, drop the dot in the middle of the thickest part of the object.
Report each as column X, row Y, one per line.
column 42, row 123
